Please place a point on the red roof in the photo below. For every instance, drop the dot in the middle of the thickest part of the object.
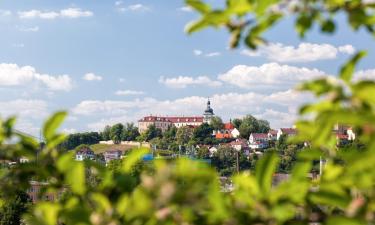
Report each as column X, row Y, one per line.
column 228, row 126
column 342, row 136
column 154, row 119
column 172, row 119
column 273, row 132
column 185, row 119
column 223, row 135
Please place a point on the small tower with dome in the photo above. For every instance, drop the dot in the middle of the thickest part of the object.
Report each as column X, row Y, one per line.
column 208, row 113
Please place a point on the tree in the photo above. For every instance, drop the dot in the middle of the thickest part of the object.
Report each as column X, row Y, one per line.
column 116, row 133
column 263, row 126
column 184, row 135
column 106, row 134
column 249, row 125
column 237, row 123
column 130, row 132
column 217, row 123
column 202, row 132
column 203, row 152
column 152, row 132
column 12, row 210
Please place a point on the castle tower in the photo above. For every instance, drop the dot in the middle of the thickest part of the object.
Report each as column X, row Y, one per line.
column 208, row 113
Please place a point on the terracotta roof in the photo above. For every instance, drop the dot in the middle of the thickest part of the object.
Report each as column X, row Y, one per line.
column 223, row 135
column 228, row 126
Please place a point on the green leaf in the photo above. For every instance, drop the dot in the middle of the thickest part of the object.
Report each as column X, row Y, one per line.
column 347, row 70
column 340, row 220
column 74, row 173
column 133, row 158
column 265, row 168
column 52, row 124
column 199, row 6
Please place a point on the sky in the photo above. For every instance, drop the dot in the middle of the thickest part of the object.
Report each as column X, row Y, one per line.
column 109, row 62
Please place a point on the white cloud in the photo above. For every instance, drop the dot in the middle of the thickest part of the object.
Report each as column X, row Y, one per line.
column 271, row 75
column 279, row 108
column 347, row 49
column 92, row 77
column 29, row 29
column 129, row 92
column 5, row 13
column 365, row 75
column 184, row 81
column 121, row 7
column 71, row 13
column 26, row 108
column 75, row 13
column 185, row 9
column 14, row 75
column 198, row 52
column 213, row 54
column 304, row 52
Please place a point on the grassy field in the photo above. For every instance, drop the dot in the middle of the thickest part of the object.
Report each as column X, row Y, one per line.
column 100, row 148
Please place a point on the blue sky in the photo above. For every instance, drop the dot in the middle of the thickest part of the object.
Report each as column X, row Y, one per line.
column 116, row 61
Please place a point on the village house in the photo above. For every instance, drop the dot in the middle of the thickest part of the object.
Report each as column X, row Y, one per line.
column 258, row 140
column 112, row 155
column 272, row 135
column 35, row 190
column 229, row 131
column 241, row 145
column 85, row 153
column 289, row 132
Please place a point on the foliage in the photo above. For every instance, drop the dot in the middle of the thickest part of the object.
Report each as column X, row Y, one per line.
column 250, row 124
column 74, row 140
column 216, row 123
column 187, row 192
column 116, row 133
column 12, row 210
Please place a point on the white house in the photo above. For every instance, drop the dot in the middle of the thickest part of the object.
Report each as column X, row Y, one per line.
column 112, row 155
column 85, row 153
column 258, row 140
column 286, row 131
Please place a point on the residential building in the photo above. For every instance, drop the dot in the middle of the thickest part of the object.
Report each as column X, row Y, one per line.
column 35, row 190
column 240, row 145
column 289, row 132
column 112, row 155
column 229, row 131
column 258, row 140
column 85, row 153
column 272, row 135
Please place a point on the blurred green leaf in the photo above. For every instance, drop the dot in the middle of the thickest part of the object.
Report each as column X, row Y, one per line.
column 265, row 168
column 52, row 123
column 347, row 70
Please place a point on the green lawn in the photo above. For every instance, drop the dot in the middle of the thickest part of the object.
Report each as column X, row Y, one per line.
column 100, row 148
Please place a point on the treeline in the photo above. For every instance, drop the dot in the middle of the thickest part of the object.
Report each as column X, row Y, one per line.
column 116, row 133
column 170, row 139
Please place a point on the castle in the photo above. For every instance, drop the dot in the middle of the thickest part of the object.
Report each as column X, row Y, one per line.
column 164, row 122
